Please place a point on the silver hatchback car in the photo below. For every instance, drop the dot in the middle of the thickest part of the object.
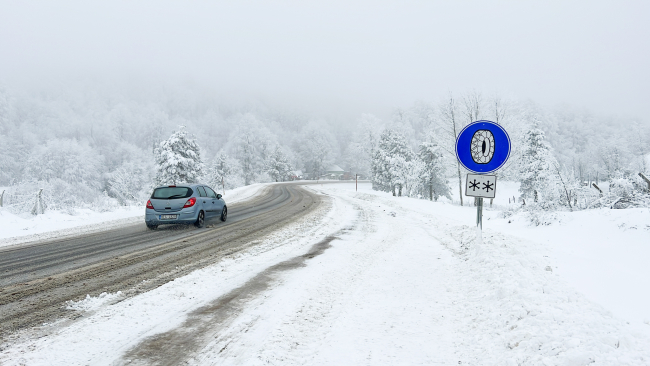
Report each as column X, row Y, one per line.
column 184, row 204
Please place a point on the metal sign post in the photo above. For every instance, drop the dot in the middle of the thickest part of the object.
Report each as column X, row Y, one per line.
column 482, row 147
column 479, row 213
column 480, row 186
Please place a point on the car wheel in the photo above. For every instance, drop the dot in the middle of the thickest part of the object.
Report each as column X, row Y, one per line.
column 200, row 221
column 152, row 227
column 224, row 213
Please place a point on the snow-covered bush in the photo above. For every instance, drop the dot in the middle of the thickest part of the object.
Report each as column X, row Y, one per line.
column 622, row 187
column 624, row 192
column 104, row 203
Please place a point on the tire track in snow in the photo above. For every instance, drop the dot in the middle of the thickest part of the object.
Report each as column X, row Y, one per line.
column 171, row 348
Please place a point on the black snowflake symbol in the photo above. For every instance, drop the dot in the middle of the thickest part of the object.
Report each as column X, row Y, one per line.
column 473, row 185
column 487, row 186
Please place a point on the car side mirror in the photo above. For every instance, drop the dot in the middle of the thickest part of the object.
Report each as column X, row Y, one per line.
column 219, row 196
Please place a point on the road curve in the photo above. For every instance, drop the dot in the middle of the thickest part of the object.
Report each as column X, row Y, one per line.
column 36, row 279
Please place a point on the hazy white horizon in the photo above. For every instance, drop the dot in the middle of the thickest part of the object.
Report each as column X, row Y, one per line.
column 351, row 57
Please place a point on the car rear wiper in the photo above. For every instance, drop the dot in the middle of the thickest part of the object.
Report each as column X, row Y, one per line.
column 174, row 196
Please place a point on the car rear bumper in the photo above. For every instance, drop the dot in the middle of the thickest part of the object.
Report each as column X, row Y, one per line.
column 185, row 217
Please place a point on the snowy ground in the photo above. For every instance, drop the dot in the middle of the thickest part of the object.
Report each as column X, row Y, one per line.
column 403, row 283
column 16, row 229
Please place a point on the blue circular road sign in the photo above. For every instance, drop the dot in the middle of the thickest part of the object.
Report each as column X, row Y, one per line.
column 483, row 147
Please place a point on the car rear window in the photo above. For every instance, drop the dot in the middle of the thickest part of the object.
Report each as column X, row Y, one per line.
column 166, row 193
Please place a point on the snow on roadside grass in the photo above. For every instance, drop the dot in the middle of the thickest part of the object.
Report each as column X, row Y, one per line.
column 17, row 229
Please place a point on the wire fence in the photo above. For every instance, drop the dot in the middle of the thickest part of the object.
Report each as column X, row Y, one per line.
column 19, row 203
column 583, row 198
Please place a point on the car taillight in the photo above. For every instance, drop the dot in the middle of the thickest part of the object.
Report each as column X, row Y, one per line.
column 149, row 205
column 190, row 202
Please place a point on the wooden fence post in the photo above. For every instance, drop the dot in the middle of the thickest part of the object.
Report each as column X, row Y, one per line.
column 38, row 205
column 1, row 197
column 645, row 179
column 599, row 190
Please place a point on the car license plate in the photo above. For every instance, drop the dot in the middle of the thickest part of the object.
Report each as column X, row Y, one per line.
column 168, row 217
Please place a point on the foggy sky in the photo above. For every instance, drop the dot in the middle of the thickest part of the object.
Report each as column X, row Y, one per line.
column 344, row 55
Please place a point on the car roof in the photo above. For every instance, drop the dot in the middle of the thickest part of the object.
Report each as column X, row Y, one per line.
column 192, row 185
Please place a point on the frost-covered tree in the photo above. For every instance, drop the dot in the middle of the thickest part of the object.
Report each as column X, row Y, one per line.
column 450, row 127
column 250, row 144
column 130, row 182
column 178, row 159
column 69, row 172
column 317, row 149
column 248, row 157
column 359, row 153
column 391, row 162
column 277, row 165
column 538, row 169
column 473, row 106
column 432, row 173
column 223, row 172
column 219, row 170
column 12, row 161
column 68, row 160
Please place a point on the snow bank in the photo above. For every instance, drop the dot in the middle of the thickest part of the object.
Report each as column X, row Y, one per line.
column 93, row 302
column 16, row 229
column 21, row 228
column 602, row 252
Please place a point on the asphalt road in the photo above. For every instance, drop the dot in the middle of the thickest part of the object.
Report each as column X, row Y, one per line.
column 36, row 279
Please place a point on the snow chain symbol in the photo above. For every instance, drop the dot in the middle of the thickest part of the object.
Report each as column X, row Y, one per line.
column 482, row 146
column 486, row 186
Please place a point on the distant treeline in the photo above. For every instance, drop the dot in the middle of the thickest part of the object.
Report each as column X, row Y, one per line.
column 90, row 143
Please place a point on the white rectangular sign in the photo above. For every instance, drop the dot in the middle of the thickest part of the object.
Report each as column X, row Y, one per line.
column 479, row 185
